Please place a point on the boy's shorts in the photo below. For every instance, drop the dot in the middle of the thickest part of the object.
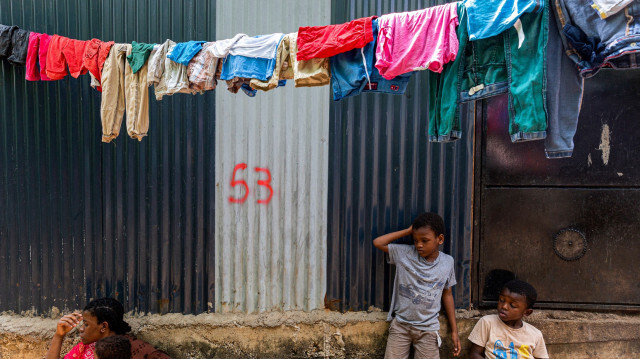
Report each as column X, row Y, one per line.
column 353, row 72
column 403, row 336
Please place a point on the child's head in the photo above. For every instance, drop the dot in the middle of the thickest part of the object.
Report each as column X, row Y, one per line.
column 427, row 233
column 113, row 347
column 516, row 300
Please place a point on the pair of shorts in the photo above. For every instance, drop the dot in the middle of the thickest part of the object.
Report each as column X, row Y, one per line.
column 325, row 41
column 65, row 52
column 354, row 72
column 37, row 53
column 14, row 44
column 95, row 55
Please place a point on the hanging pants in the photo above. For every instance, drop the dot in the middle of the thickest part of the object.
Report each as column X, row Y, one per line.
column 123, row 90
column 489, row 67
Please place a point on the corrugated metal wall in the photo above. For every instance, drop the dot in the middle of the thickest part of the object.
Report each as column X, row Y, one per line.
column 82, row 219
column 383, row 172
column 271, row 255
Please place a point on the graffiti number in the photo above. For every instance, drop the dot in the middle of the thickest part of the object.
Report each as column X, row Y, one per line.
column 234, row 182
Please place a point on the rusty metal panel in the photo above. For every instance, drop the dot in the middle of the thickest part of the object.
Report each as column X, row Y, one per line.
column 80, row 219
column 605, row 143
column 383, row 172
column 271, row 176
column 596, row 263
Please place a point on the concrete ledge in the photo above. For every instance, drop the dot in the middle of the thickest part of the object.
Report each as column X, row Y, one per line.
column 325, row 334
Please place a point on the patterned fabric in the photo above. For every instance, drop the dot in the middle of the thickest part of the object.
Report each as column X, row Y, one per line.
column 81, row 351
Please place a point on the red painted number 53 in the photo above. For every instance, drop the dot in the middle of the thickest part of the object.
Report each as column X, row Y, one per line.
column 265, row 182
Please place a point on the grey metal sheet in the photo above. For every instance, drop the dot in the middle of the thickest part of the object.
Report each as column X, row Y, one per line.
column 80, row 219
column 271, row 255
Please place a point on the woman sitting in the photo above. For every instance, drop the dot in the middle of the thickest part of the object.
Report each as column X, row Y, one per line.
column 101, row 318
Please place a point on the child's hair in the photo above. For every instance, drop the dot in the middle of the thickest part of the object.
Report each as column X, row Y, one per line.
column 111, row 311
column 113, row 347
column 431, row 220
column 524, row 289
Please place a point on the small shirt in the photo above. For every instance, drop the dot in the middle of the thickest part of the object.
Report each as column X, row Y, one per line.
column 418, row 286
column 500, row 341
column 183, row 52
column 417, row 40
column 140, row 53
column 261, row 46
column 489, row 18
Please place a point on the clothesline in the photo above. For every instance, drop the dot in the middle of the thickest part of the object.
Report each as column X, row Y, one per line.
column 373, row 54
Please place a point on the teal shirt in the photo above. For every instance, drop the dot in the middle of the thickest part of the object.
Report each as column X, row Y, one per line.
column 139, row 55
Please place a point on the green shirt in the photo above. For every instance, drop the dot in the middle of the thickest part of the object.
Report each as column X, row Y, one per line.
column 139, row 54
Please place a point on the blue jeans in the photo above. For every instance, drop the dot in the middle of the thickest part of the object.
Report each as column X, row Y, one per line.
column 564, row 95
column 352, row 72
column 617, row 38
column 489, row 67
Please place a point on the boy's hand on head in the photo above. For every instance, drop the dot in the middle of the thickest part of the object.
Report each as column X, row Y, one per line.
column 456, row 343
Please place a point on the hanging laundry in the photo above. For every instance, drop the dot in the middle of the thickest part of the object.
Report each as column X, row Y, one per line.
column 282, row 70
column 140, row 53
column 490, row 67
column 6, row 35
column 326, row 41
column 353, row 72
column 65, row 52
column 240, row 66
column 183, row 52
column 489, row 18
column 308, row 73
column 202, row 69
column 95, row 54
column 167, row 76
column 19, row 47
column 236, row 84
column 417, row 40
column 593, row 43
column 123, row 90
column 564, row 96
column 37, row 52
column 606, row 8
column 221, row 48
column 261, row 46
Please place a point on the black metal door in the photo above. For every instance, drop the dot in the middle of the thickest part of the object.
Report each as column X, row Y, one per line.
column 570, row 227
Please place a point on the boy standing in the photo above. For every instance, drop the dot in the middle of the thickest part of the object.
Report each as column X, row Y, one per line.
column 424, row 277
column 505, row 335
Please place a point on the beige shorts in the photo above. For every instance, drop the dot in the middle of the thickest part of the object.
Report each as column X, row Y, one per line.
column 403, row 336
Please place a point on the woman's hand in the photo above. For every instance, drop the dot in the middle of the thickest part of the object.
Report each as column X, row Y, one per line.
column 67, row 323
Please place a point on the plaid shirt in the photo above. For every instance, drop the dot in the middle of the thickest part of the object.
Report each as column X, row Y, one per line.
column 202, row 70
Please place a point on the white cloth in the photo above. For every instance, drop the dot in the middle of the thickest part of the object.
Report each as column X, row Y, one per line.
column 221, row 48
column 606, row 8
column 262, row 46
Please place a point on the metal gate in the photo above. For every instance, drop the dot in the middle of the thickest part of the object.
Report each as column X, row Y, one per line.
column 570, row 227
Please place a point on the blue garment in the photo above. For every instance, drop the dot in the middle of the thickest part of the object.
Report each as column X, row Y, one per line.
column 488, row 18
column 349, row 72
column 616, row 38
column 564, row 95
column 183, row 52
column 249, row 67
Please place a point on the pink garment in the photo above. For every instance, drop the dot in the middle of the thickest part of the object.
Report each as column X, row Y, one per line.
column 37, row 52
column 417, row 40
column 81, row 351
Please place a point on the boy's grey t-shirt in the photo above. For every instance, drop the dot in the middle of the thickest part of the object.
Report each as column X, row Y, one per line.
column 417, row 288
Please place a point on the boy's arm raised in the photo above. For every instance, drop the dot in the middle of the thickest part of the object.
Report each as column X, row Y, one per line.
column 382, row 242
column 449, row 308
